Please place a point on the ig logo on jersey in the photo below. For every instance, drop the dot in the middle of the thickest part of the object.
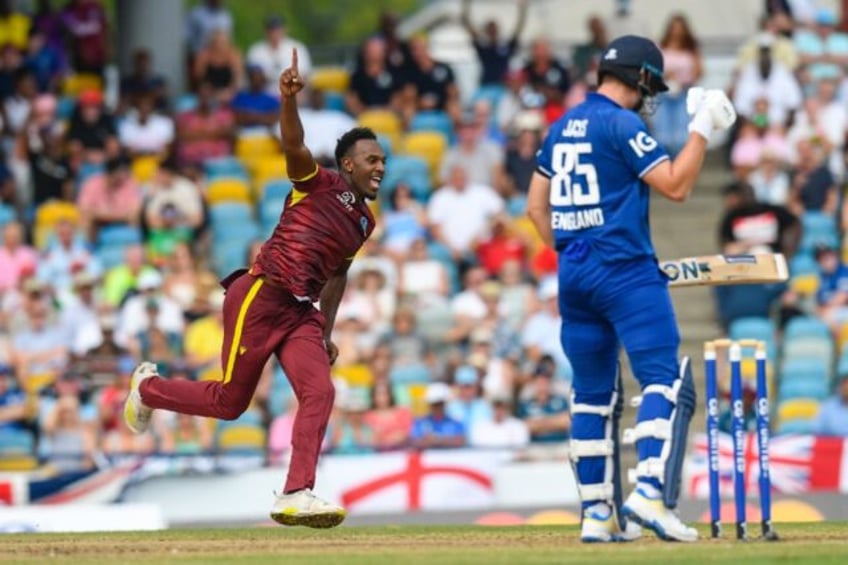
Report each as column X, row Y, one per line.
column 642, row 143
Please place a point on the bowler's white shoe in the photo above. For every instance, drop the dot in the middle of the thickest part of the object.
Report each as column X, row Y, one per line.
column 645, row 507
column 303, row 508
column 136, row 414
column 600, row 526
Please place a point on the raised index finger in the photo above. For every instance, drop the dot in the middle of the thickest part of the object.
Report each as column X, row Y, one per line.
column 294, row 59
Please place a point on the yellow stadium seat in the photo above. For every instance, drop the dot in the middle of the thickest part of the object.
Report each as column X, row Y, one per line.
column 805, row 285
column 17, row 463
column 228, row 190
column 798, row 409
column 428, row 145
column 523, row 228
column 384, row 122
column 237, row 437
column 50, row 213
column 358, row 375
column 76, row 83
column 145, row 167
column 330, row 78
column 266, row 168
column 254, row 146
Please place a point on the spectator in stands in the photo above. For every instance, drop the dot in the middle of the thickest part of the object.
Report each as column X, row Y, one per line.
column 10, row 61
column 460, row 211
column 468, row 306
column 110, row 401
column 46, row 64
column 92, row 136
column 468, row 405
column 398, row 52
column 40, row 350
column 423, row 276
column 142, row 81
column 432, row 85
column 755, row 137
column 404, row 221
column 352, row 434
column 14, row 26
column 42, row 144
column 204, row 337
column 273, row 55
column 548, row 77
column 481, row 158
column 188, row 283
column 832, row 419
column 682, row 70
column 514, row 100
column 823, row 118
column 323, row 126
column 173, row 209
column 80, row 316
column 770, row 79
column 832, row 293
column 15, row 256
column 148, row 310
column 257, row 111
column 516, row 293
column 501, row 246
column 203, row 20
column 67, row 254
column 493, row 52
column 437, row 429
column 749, row 397
column 770, row 180
column 47, row 22
column 749, row 226
column 783, row 48
column 188, row 435
column 373, row 84
column 87, row 27
column 112, row 198
column 390, row 424
column 520, row 159
column 406, row 344
column 205, row 132
column 16, row 108
column 121, row 279
column 14, row 412
column 503, row 430
column 540, row 335
column 220, row 64
column 123, row 441
column 822, row 43
column 68, row 442
column 586, row 56
column 546, row 413
column 813, row 185
column 144, row 131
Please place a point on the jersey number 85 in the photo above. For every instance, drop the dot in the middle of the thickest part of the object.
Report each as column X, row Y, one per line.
column 574, row 183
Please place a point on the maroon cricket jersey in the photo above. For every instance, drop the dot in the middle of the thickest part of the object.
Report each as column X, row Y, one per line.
column 323, row 223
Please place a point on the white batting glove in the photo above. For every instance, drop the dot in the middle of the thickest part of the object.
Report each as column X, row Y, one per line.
column 694, row 98
column 721, row 109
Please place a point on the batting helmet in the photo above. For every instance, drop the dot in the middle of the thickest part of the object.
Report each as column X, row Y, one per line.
column 637, row 62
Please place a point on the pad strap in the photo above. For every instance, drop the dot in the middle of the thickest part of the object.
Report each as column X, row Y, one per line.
column 602, row 411
column 669, row 392
column 653, row 467
column 590, row 448
column 659, row 428
column 597, row 491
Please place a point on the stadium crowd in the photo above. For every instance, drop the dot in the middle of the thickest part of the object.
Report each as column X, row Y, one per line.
column 119, row 218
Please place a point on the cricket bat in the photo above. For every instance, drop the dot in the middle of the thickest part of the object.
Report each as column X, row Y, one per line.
column 716, row 270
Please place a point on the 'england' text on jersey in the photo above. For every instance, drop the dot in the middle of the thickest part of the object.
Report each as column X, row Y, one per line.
column 578, row 220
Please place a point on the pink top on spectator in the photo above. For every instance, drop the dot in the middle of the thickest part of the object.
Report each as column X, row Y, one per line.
column 194, row 123
column 96, row 195
column 680, row 64
column 14, row 263
column 391, row 427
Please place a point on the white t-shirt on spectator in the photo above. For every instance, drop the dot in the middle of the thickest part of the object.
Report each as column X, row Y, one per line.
column 422, row 277
column 463, row 216
column 182, row 195
column 780, row 89
column 133, row 318
column 17, row 111
column 149, row 137
column 322, row 129
column 479, row 164
column 832, row 122
column 512, row 432
column 773, row 190
column 468, row 304
column 202, row 21
column 274, row 60
column 542, row 330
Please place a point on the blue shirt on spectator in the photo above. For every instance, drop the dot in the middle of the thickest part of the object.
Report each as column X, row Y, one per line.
column 831, row 283
column 833, row 418
column 12, row 397
column 532, row 408
column 442, row 427
column 470, row 413
column 255, row 102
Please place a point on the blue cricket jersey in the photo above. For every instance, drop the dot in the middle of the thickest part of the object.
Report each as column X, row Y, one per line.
column 596, row 155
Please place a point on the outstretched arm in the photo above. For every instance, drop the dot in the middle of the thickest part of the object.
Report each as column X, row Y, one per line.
column 299, row 162
column 539, row 207
column 331, row 296
column 465, row 20
column 522, row 19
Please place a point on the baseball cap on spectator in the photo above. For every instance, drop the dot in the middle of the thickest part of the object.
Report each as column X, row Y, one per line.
column 548, row 288
column 501, row 399
column 437, row 393
column 90, row 97
column 84, row 279
column 149, row 280
column 465, row 375
column 34, row 285
column 275, row 21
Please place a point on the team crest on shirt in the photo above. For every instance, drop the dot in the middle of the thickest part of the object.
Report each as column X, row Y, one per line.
column 363, row 221
column 348, row 199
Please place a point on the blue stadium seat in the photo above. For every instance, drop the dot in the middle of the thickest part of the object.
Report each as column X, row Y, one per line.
column 225, row 167
column 408, row 374
column 803, row 427
column 385, row 143
column 88, row 170
column 242, row 232
column 276, row 189
column 185, row 103
column 229, row 256
column 435, row 120
column 65, row 106
column 229, row 213
column 110, row 255
column 7, row 214
column 16, row 442
column 334, row 101
column 492, row 93
column 806, row 326
column 818, row 228
column 818, row 389
column 118, row 235
column 410, row 170
column 803, row 264
column 808, row 347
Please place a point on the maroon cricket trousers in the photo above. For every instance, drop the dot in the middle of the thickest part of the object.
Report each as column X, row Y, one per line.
column 262, row 319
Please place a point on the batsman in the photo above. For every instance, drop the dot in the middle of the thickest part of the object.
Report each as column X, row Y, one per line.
column 589, row 199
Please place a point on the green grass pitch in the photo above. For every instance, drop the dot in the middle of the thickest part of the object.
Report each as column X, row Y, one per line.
column 408, row 545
